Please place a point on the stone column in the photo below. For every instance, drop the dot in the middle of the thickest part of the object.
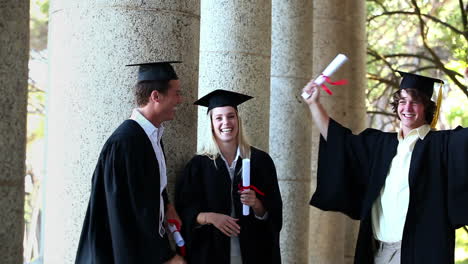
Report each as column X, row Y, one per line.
column 90, row 95
column 14, row 50
column 356, row 69
column 356, row 50
column 235, row 55
column 332, row 235
column 290, row 122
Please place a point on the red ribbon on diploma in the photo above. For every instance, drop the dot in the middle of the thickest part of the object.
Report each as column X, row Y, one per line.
column 177, row 225
column 327, row 80
column 241, row 188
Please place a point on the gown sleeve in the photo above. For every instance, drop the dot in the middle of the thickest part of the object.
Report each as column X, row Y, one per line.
column 344, row 165
column 273, row 204
column 132, row 207
column 457, row 153
column 272, row 199
column 188, row 197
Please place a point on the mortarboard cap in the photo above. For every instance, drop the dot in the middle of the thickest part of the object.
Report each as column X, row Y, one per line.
column 156, row 71
column 218, row 98
column 418, row 82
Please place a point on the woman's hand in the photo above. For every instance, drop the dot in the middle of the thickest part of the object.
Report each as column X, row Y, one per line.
column 249, row 198
column 224, row 223
column 314, row 90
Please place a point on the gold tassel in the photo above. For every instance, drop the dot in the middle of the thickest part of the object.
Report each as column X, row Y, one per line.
column 437, row 111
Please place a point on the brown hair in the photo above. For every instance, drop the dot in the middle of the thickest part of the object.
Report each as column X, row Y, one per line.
column 142, row 90
column 429, row 106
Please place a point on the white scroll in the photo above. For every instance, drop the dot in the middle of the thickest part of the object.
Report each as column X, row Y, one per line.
column 176, row 235
column 336, row 63
column 245, row 182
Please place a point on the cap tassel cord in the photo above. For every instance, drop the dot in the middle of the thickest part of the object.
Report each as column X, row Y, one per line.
column 437, row 111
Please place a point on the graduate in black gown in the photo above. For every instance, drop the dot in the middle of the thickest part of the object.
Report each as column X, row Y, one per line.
column 210, row 203
column 128, row 202
column 408, row 189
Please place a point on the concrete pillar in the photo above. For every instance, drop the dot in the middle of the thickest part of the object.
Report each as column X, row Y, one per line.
column 340, row 29
column 356, row 69
column 14, row 50
column 356, row 121
column 290, row 122
column 90, row 95
column 235, row 55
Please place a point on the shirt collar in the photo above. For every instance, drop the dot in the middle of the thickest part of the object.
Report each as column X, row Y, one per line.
column 235, row 159
column 421, row 132
column 147, row 126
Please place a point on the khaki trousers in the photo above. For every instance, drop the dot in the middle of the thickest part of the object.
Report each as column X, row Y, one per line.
column 388, row 253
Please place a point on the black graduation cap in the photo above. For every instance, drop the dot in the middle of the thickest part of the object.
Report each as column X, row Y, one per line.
column 218, row 98
column 419, row 82
column 156, row 71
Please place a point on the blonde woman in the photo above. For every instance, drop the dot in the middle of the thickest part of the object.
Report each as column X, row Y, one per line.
column 209, row 200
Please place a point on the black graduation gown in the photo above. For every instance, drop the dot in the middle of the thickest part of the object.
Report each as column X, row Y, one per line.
column 352, row 171
column 204, row 187
column 121, row 223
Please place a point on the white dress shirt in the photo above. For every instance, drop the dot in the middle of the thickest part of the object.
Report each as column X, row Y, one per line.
column 154, row 134
column 391, row 206
column 235, row 243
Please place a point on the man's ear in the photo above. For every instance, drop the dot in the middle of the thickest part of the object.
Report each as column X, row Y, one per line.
column 155, row 96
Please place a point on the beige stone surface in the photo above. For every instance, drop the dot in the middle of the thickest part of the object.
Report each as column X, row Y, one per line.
column 356, row 51
column 339, row 30
column 290, row 120
column 243, row 73
column 326, row 237
column 235, row 55
column 295, row 233
column 14, row 48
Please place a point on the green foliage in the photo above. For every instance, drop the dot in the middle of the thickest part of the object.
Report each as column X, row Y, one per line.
column 39, row 19
column 427, row 37
column 458, row 113
column 36, row 114
column 462, row 238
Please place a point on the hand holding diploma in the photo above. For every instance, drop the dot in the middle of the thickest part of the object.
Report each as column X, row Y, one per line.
column 313, row 92
column 339, row 60
column 319, row 114
column 248, row 193
column 175, row 231
column 174, row 228
column 245, row 182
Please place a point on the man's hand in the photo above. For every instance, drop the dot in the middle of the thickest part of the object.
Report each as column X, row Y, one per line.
column 319, row 115
column 171, row 213
column 177, row 259
column 314, row 90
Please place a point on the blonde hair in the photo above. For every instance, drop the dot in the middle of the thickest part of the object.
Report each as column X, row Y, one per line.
column 211, row 148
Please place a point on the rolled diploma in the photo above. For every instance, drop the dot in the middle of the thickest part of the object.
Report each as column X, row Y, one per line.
column 176, row 235
column 245, row 181
column 336, row 63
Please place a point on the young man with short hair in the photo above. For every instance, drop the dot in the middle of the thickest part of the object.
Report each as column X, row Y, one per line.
column 408, row 189
column 125, row 218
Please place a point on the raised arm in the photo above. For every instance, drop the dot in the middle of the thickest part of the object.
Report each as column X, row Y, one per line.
column 319, row 115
